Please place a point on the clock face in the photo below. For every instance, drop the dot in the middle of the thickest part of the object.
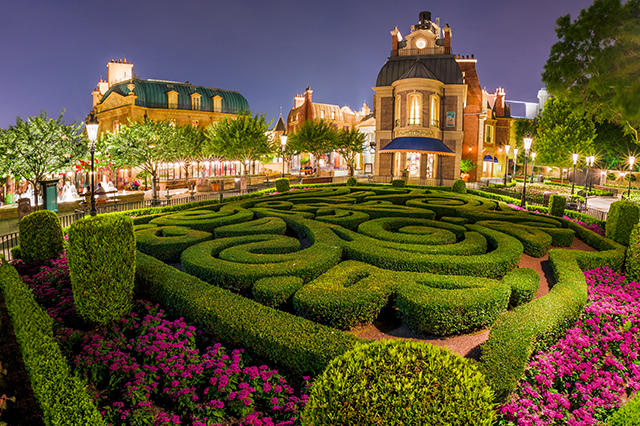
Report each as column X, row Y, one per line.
column 421, row 43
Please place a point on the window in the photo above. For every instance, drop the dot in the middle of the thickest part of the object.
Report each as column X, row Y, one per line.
column 397, row 115
column 415, row 105
column 172, row 99
column 217, row 103
column 322, row 114
column 435, row 111
column 488, row 131
column 195, row 101
column 333, row 115
column 116, row 127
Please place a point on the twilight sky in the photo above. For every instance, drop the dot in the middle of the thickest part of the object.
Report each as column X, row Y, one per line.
column 52, row 53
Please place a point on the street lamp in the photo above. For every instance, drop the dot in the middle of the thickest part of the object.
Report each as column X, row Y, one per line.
column 507, row 147
column 575, row 156
column 283, row 141
column 533, row 162
column 590, row 160
column 92, row 134
column 631, row 161
column 515, row 161
column 527, row 147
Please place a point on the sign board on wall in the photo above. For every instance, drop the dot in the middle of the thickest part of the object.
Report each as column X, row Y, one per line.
column 419, row 133
column 451, row 119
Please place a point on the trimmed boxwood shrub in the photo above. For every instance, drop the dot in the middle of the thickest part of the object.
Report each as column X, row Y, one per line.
column 276, row 292
column 352, row 181
column 167, row 243
column 346, row 218
column 394, row 382
column 102, row 253
column 206, row 219
column 267, row 225
column 459, row 186
column 622, row 218
column 282, row 185
column 535, row 241
column 60, row 394
column 557, row 203
column 632, row 262
column 627, row 415
column 300, row 345
column 560, row 237
column 524, row 284
column 40, row 236
column 398, row 183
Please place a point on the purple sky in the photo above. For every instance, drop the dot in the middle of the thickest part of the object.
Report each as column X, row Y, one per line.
column 52, row 53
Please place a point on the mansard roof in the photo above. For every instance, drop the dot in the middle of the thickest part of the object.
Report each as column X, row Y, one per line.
column 442, row 67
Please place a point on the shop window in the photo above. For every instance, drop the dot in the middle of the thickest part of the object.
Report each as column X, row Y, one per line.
column 415, row 106
column 435, row 111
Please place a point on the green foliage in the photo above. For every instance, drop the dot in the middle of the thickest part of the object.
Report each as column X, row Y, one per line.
column 459, row 186
column 314, row 136
column 102, row 267
column 536, row 242
column 632, row 262
column 466, row 166
column 187, row 145
column 300, row 345
column 352, row 181
column 398, row 183
column 266, row 225
column 205, row 219
column 276, row 292
column 40, row 146
column 524, row 283
column 282, row 185
column 167, row 243
column 627, row 415
column 557, row 203
column 40, row 236
column 622, row 218
column 631, row 176
column 242, row 138
column 349, row 143
column 612, row 176
column 392, row 382
column 60, row 394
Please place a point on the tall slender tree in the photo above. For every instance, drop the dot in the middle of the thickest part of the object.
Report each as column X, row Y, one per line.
column 349, row 143
column 313, row 136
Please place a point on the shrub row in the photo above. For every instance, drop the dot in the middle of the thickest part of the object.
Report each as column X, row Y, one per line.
column 345, row 218
column 632, row 261
column 301, row 345
column 267, row 225
column 61, row 396
column 622, row 218
column 276, row 292
column 412, row 231
column 524, row 283
column 628, row 415
column 167, row 243
column 206, row 220
column 536, row 242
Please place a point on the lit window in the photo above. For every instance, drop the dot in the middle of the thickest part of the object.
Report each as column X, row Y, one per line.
column 321, row 114
column 217, row 103
column 195, row 101
column 116, row 126
column 488, row 134
column 172, row 99
column 415, row 104
column 333, row 115
column 397, row 117
column 435, row 111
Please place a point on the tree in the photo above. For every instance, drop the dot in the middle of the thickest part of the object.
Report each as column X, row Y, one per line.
column 185, row 146
column 595, row 63
column 314, row 136
column 614, row 146
column 143, row 144
column 562, row 131
column 40, row 146
column 349, row 144
column 241, row 139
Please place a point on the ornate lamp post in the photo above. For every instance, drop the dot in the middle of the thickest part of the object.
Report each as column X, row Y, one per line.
column 575, row 156
column 631, row 161
column 515, row 161
column 507, row 147
column 283, row 141
column 527, row 147
column 92, row 134
column 533, row 162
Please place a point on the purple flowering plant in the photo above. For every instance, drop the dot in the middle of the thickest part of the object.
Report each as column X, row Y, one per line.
column 150, row 370
column 582, row 379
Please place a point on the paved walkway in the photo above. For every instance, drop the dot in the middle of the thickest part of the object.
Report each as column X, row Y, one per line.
column 601, row 203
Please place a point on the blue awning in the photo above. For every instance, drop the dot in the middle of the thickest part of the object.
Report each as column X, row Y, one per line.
column 488, row 158
column 418, row 144
column 495, row 160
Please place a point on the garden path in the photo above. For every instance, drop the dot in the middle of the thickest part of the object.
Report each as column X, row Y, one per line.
column 467, row 345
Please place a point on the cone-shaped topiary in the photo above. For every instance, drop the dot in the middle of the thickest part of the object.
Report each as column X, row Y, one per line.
column 282, row 185
column 40, row 236
column 102, row 256
column 557, row 204
column 399, row 382
column 623, row 216
column 459, row 186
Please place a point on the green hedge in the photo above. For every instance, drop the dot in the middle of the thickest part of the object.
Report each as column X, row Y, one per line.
column 167, row 243
column 206, row 220
column 101, row 253
column 536, row 242
column 524, row 284
column 352, row 181
column 398, row 183
column 61, row 395
column 627, row 415
column 459, row 186
column 345, row 218
column 276, row 292
column 394, row 382
column 282, row 185
column 40, row 236
column 632, row 262
column 412, row 231
column 267, row 225
column 557, row 203
column 622, row 218
column 300, row 345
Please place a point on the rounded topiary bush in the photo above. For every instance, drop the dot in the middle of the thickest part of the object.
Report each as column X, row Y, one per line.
column 611, row 176
column 398, row 183
column 393, row 382
column 40, row 236
column 102, row 258
column 623, row 216
column 459, row 186
column 282, row 185
column 352, row 181
column 557, row 204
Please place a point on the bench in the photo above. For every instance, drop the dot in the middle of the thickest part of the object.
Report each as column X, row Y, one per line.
column 312, row 180
column 180, row 185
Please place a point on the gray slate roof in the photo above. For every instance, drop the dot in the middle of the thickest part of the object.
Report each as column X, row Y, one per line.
column 442, row 67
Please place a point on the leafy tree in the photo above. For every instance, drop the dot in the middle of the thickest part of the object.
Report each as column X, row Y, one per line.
column 349, row 145
column 561, row 131
column 614, row 146
column 314, row 136
column 143, row 144
column 243, row 138
column 40, row 146
column 186, row 146
column 595, row 63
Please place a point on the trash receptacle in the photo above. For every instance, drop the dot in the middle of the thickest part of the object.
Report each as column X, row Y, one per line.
column 547, row 195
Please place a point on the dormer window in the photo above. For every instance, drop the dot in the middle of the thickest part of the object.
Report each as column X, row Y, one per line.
column 172, row 99
column 322, row 114
column 195, row 101
column 217, row 103
column 333, row 115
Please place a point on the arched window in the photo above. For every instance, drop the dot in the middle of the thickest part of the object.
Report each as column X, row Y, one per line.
column 435, row 111
column 415, row 107
column 397, row 116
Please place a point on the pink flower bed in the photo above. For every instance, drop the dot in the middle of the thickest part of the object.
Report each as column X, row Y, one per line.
column 581, row 380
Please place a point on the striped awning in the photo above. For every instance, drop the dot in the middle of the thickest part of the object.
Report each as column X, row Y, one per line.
column 418, row 144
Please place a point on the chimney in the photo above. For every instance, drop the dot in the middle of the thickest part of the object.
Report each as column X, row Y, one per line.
column 500, row 102
column 447, row 39
column 298, row 100
column 96, row 96
column 307, row 95
column 395, row 38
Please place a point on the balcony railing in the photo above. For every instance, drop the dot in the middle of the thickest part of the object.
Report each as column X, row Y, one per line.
column 419, row 52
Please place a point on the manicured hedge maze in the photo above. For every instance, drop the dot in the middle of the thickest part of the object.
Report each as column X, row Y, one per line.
column 447, row 262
